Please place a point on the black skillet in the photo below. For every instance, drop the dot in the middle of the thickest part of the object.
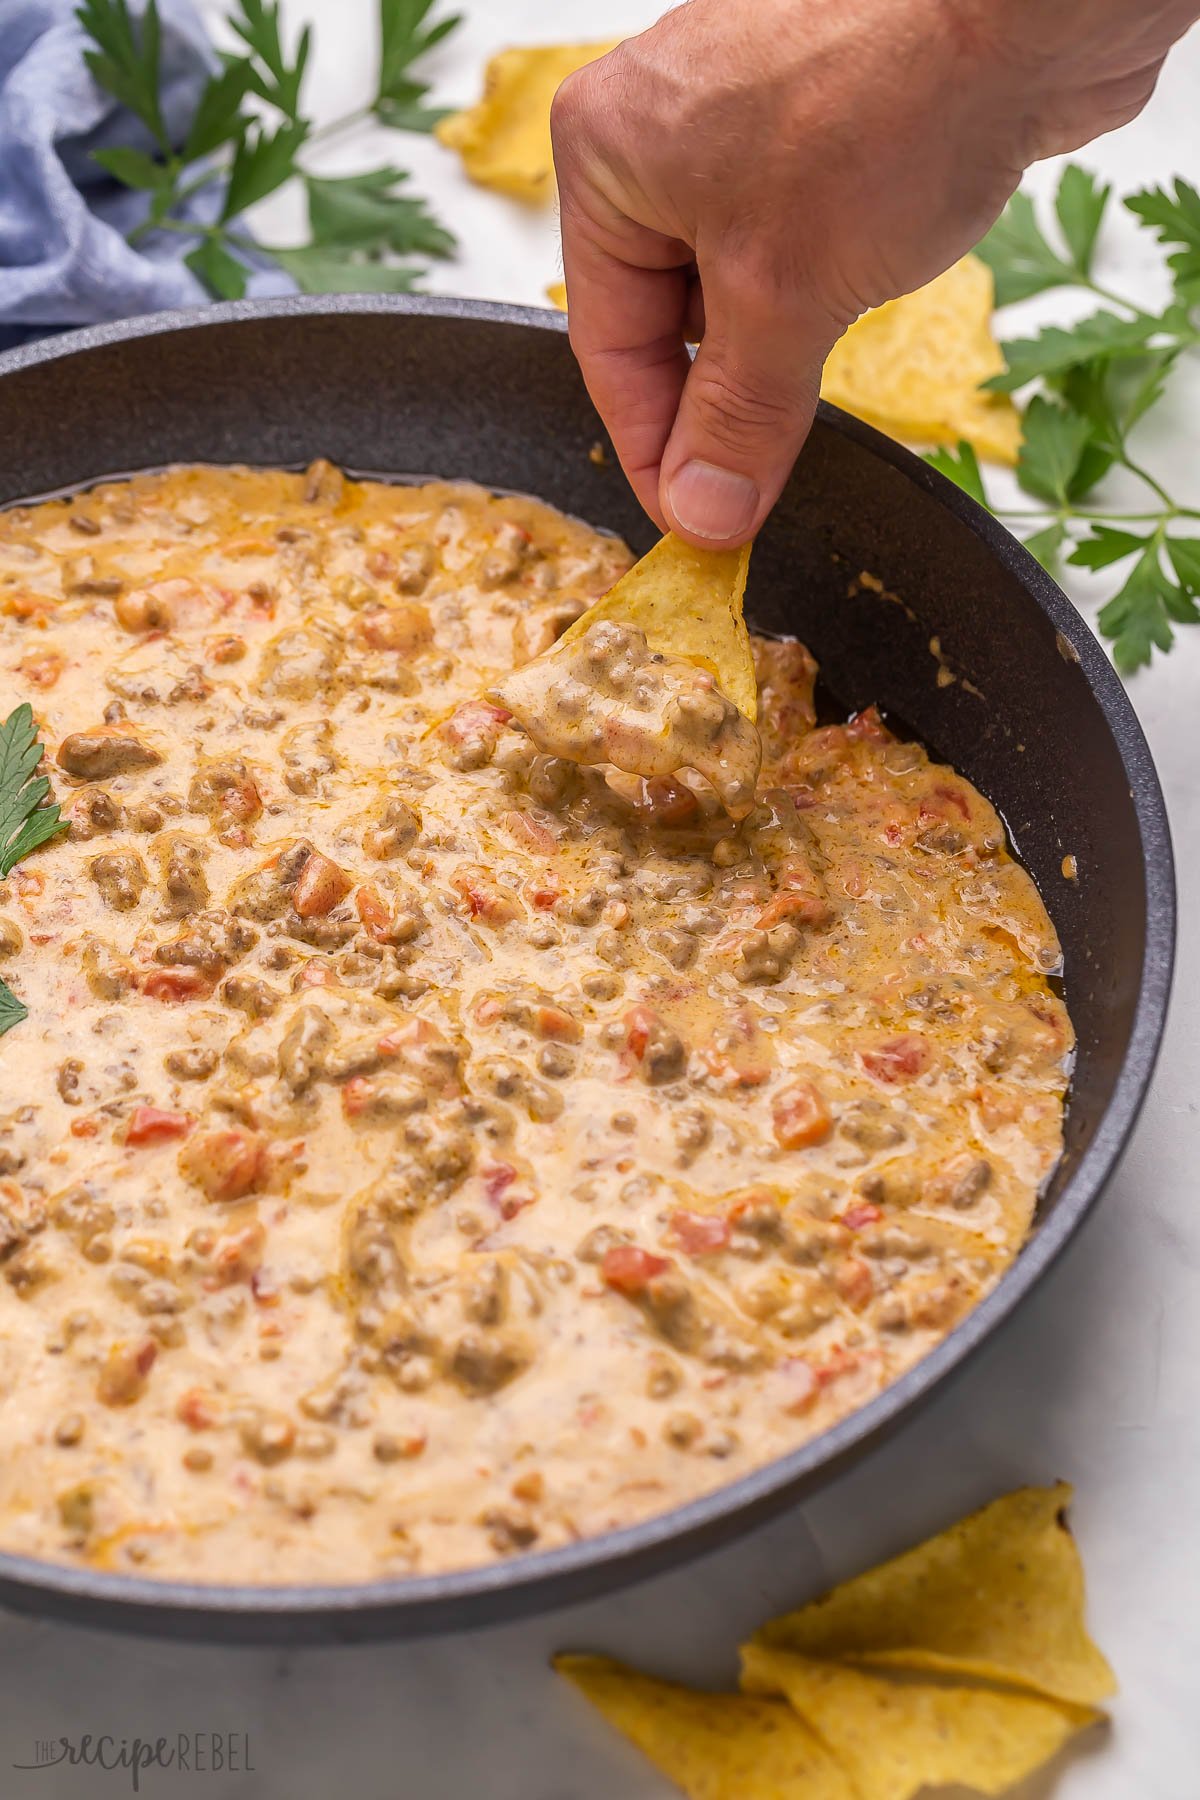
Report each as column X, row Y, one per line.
column 1015, row 693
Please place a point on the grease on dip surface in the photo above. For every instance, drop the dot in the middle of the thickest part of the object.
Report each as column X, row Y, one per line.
column 421, row 1149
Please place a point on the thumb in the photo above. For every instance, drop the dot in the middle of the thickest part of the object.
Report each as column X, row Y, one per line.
column 746, row 409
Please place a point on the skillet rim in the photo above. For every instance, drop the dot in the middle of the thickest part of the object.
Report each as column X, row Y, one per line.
column 541, row 1581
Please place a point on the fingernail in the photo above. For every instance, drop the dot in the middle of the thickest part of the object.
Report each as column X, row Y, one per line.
column 711, row 502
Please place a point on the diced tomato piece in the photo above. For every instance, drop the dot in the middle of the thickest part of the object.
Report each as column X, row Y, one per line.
column 541, row 898
column 485, row 899
column 732, row 1073
column 356, row 1095
column 640, row 1021
column 800, row 1116
column 530, row 833
column 151, row 1125
column 316, row 973
column 853, row 1280
column 699, row 1234
column 241, row 800
column 375, row 916
column 860, row 1213
column 669, row 802
column 630, row 1270
column 808, row 909
column 802, row 1385
column 901, row 1060
column 320, row 885
column 197, row 1409
column 496, row 1178
column 553, row 1022
column 43, row 668
column 238, row 1254
column 948, row 799
column 867, row 727
column 173, row 984
column 227, row 1165
column 476, row 719
column 837, row 1363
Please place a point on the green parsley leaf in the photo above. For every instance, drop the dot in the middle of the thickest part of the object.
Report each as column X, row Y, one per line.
column 403, row 38
column 1185, row 560
column 1176, row 219
column 1021, row 261
column 25, row 820
column 133, row 168
column 262, row 162
column 1046, row 544
column 1059, row 348
column 272, row 77
column 220, row 271
column 1053, row 442
column 1105, row 545
column 218, row 118
column 319, row 270
column 404, row 109
column 1138, row 617
column 960, row 466
column 1080, row 203
column 360, row 212
column 11, row 1009
column 125, row 61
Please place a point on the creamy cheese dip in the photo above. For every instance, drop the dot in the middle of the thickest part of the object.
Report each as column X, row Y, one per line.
column 422, row 1149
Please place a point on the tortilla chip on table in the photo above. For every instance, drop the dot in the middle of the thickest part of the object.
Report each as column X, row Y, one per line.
column 504, row 140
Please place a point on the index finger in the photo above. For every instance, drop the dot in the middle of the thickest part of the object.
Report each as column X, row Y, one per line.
column 627, row 317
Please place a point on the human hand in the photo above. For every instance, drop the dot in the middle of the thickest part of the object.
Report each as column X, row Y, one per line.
column 753, row 174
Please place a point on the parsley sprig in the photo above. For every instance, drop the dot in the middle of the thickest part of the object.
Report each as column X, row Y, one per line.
column 250, row 134
column 1093, row 382
column 26, row 819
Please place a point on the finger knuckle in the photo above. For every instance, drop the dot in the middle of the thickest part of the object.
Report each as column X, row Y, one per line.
column 736, row 411
column 569, row 106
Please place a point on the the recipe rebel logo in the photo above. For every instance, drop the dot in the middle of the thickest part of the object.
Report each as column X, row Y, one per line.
column 186, row 1752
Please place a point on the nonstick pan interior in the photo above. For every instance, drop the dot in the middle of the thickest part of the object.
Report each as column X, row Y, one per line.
column 909, row 594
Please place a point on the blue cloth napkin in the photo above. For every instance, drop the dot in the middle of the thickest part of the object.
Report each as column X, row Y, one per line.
column 63, row 256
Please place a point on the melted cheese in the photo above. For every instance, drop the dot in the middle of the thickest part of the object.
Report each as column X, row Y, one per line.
column 421, row 1149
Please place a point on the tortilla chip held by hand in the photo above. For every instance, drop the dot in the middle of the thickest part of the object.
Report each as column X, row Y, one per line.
column 688, row 602
column 504, row 141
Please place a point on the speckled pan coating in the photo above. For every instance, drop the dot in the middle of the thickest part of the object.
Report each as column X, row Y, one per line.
column 1016, row 693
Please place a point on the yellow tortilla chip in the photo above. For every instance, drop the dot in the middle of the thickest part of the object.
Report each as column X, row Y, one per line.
column 713, row 1746
column 1000, row 1596
column 556, row 294
column 504, row 141
column 896, row 1737
column 914, row 366
column 689, row 603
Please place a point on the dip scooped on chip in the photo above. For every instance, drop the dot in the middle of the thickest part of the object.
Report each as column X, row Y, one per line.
column 658, row 676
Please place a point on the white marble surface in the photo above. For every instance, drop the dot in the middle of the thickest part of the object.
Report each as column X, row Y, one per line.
column 1098, row 1381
